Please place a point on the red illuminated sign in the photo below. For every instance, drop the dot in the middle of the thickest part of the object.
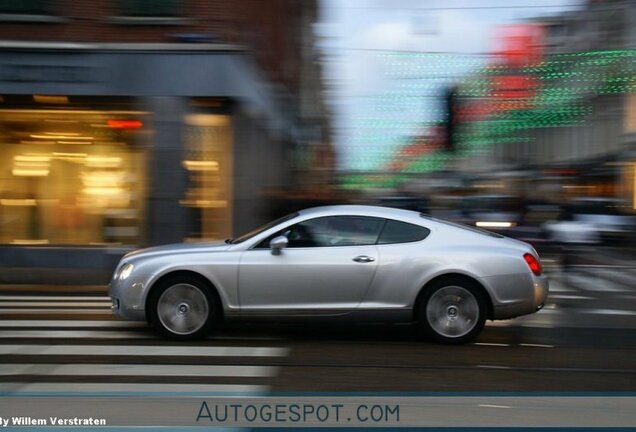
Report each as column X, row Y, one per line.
column 124, row 124
column 520, row 45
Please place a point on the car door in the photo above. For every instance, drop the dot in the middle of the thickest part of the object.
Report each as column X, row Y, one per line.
column 327, row 267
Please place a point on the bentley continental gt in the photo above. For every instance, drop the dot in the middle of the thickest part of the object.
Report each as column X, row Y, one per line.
column 361, row 263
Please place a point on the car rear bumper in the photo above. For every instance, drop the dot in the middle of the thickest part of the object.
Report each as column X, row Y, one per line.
column 534, row 299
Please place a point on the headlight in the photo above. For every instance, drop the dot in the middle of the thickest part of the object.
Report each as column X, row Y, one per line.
column 125, row 271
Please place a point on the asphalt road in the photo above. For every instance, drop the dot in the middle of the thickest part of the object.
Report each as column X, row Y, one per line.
column 54, row 339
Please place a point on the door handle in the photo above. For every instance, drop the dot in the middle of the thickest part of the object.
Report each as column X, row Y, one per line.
column 364, row 259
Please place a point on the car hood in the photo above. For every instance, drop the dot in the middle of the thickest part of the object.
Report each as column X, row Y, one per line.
column 178, row 248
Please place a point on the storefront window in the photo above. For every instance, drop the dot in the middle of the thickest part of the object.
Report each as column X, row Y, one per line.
column 72, row 176
column 208, row 160
column 150, row 8
column 26, row 7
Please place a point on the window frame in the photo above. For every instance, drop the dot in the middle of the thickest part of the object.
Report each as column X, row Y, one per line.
column 30, row 8
column 140, row 9
column 46, row 13
column 264, row 243
column 269, row 238
column 386, row 221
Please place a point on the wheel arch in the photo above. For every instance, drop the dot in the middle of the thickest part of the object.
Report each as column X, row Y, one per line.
column 455, row 276
column 184, row 273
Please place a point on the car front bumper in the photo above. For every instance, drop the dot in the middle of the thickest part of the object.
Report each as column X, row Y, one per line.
column 128, row 298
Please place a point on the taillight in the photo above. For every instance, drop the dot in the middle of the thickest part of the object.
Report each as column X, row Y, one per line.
column 533, row 263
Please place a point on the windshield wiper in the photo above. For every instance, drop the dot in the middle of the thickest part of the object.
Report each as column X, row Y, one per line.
column 228, row 241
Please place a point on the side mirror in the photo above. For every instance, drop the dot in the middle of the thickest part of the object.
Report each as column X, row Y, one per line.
column 278, row 243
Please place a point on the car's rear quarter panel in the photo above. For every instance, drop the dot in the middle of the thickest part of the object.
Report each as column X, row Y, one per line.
column 404, row 269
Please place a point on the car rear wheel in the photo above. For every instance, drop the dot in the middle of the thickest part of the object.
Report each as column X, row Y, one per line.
column 183, row 309
column 453, row 311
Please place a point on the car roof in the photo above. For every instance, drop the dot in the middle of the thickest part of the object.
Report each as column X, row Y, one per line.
column 489, row 196
column 361, row 210
column 414, row 217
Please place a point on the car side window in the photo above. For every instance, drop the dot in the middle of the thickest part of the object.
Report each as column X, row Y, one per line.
column 402, row 232
column 331, row 231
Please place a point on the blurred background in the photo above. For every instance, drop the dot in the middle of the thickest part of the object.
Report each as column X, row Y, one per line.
column 129, row 123
column 132, row 123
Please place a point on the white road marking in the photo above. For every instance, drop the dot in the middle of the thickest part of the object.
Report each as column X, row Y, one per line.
column 103, row 311
column 137, row 370
column 50, row 332
column 592, row 283
column 53, row 298
column 20, row 387
column 247, row 338
column 491, row 344
column 492, row 367
column 502, row 323
column 530, row 321
column 71, row 323
column 570, row 297
column 556, row 286
column 75, row 334
column 53, row 304
column 9, row 331
column 607, row 273
column 142, row 350
column 608, row 311
column 602, row 266
column 549, row 310
column 494, row 406
column 536, row 345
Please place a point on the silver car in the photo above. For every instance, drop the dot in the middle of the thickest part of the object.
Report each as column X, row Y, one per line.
column 362, row 263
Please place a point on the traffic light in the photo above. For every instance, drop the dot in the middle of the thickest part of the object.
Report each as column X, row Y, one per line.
column 451, row 105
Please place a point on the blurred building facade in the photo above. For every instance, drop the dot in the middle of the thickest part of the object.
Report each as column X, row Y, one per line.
column 137, row 122
column 565, row 112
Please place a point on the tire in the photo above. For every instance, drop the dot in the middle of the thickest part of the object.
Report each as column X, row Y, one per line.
column 452, row 311
column 183, row 308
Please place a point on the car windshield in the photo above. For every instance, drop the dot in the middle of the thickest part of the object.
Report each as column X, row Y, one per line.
column 263, row 228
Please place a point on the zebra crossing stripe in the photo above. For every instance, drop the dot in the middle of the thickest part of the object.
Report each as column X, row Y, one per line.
column 77, row 334
column 53, row 304
column 26, row 378
column 18, row 311
column 71, row 323
column 151, row 350
column 53, row 298
column 16, row 388
column 51, row 369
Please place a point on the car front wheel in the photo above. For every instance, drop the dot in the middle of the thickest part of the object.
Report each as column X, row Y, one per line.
column 183, row 309
column 452, row 312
